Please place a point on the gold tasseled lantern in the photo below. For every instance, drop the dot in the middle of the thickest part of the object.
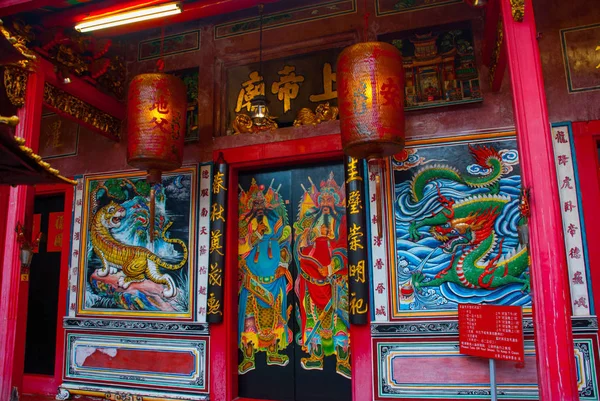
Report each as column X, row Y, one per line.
column 156, row 117
column 370, row 85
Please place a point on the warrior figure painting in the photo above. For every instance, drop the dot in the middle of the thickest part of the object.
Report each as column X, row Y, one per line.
column 264, row 255
column 322, row 284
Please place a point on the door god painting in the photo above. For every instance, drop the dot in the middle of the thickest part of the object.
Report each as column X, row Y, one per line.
column 322, row 285
column 126, row 273
column 264, row 255
column 457, row 210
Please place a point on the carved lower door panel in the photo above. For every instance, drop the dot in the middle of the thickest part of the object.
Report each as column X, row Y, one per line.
column 293, row 293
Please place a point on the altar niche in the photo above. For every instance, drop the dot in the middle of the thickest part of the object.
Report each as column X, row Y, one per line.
column 293, row 325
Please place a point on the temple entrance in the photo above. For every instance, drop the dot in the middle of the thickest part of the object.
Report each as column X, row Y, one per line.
column 44, row 277
column 293, row 341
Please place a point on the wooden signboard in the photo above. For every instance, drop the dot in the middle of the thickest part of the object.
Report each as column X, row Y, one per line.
column 491, row 331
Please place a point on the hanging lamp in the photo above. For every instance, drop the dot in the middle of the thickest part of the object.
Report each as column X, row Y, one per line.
column 259, row 108
column 370, row 85
column 156, row 110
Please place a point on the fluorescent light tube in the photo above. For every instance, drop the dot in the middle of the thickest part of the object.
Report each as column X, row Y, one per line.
column 129, row 17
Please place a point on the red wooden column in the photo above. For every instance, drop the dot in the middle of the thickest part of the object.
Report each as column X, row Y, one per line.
column 551, row 303
column 13, row 292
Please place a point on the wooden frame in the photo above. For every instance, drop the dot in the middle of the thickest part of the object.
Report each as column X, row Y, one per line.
column 243, row 58
column 42, row 384
column 586, row 137
column 223, row 349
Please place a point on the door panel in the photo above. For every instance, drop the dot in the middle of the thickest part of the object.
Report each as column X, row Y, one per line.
column 42, row 308
column 293, row 315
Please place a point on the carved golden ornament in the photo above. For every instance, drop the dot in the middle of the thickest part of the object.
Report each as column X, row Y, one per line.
column 497, row 50
column 77, row 108
column 323, row 112
column 15, row 83
column 10, row 121
column 598, row 66
column 243, row 124
column 123, row 397
column 19, row 39
column 518, row 9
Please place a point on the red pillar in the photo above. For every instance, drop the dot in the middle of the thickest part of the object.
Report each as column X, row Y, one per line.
column 551, row 302
column 13, row 292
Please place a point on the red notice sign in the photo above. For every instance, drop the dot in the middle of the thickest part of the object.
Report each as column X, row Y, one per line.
column 491, row 331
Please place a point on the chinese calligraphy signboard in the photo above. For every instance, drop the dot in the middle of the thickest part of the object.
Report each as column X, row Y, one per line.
column 216, row 252
column 491, row 331
column 357, row 242
column 439, row 66
column 570, row 210
column 289, row 85
column 189, row 77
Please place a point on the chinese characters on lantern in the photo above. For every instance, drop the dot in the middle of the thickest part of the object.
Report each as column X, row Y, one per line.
column 357, row 242
column 216, row 251
column 572, row 222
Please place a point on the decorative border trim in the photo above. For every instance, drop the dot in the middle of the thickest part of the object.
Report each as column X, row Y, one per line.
column 379, row 13
column 573, row 224
column 563, row 44
column 140, row 326
column 67, row 389
column 166, row 39
column 437, row 328
column 196, row 380
column 275, row 16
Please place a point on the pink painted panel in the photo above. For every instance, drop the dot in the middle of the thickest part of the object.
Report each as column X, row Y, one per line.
column 447, row 370
column 141, row 360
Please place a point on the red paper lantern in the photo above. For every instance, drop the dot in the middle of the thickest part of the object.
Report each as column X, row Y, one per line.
column 370, row 85
column 156, row 117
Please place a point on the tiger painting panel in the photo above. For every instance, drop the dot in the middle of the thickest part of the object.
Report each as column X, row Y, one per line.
column 123, row 272
column 457, row 208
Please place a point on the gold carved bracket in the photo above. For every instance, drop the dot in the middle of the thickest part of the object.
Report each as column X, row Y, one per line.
column 19, row 39
column 82, row 111
column 497, row 51
column 518, row 9
column 15, row 83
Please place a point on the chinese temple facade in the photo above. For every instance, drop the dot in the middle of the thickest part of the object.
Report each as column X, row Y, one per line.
column 226, row 247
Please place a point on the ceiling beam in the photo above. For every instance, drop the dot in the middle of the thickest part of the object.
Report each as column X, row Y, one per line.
column 10, row 7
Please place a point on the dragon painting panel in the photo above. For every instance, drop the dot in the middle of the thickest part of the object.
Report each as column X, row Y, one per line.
column 457, row 207
column 123, row 272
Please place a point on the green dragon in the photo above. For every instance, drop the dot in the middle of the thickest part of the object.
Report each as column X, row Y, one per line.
column 466, row 229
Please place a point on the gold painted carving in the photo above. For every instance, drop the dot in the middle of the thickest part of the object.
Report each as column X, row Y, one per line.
column 518, row 9
column 323, row 112
column 78, row 109
column 19, row 39
column 38, row 159
column 497, row 50
column 123, row 397
column 15, row 83
column 598, row 66
column 243, row 124
column 10, row 121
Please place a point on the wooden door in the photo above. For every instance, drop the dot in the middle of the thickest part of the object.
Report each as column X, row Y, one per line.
column 293, row 322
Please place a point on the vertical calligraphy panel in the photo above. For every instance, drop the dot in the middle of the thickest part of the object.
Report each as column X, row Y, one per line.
column 570, row 208
column 357, row 238
column 75, row 247
column 203, row 242
column 378, row 247
column 218, row 217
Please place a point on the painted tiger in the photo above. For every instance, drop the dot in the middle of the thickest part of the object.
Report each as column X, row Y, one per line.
column 136, row 262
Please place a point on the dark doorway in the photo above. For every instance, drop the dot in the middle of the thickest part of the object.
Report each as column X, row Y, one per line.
column 293, row 342
column 42, row 308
